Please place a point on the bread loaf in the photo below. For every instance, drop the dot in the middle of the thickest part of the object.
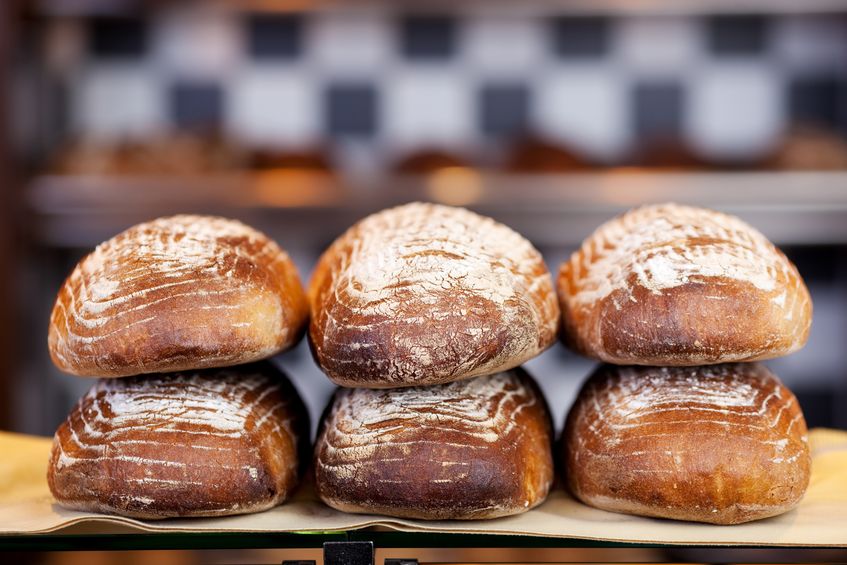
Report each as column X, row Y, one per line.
column 676, row 285
column 477, row 448
column 177, row 293
column 722, row 444
column 427, row 294
column 204, row 443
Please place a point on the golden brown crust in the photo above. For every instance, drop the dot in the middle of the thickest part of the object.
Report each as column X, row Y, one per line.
column 477, row 448
column 722, row 444
column 178, row 293
column 204, row 443
column 676, row 285
column 426, row 294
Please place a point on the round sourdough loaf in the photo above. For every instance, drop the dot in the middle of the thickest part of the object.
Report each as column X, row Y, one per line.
column 203, row 443
column 722, row 444
column 477, row 448
column 677, row 285
column 178, row 293
column 427, row 294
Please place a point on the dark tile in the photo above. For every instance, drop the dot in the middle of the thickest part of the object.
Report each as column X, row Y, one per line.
column 658, row 109
column 504, row 109
column 118, row 38
column 820, row 264
column 428, row 37
column 819, row 101
column 581, row 36
column 197, row 105
column 738, row 35
column 351, row 109
column 275, row 36
column 818, row 406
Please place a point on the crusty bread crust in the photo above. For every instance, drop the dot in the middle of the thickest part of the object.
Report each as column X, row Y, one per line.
column 178, row 293
column 477, row 448
column 426, row 294
column 722, row 444
column 204, row 443
column 677, row 285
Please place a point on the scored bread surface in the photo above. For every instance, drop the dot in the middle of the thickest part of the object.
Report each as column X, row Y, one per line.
column 177, row 293
column 478, row 448
column 723, row 443
column 424, row 294
column 204, row 443
column 679, row 285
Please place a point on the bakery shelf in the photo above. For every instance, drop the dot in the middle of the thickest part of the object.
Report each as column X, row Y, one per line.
column 788, row 207
column 634, row 7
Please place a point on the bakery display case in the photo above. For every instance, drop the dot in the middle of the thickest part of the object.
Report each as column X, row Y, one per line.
column 302, row 118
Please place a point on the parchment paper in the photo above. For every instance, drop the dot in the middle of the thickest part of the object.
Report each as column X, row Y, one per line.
column 26, row 507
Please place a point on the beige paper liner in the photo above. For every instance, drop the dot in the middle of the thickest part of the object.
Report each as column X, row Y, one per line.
column 26, row 507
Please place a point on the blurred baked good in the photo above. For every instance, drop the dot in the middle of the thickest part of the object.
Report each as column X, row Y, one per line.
column 810, row 148
column 538, row 155
column 163, row 155
column 428, row 161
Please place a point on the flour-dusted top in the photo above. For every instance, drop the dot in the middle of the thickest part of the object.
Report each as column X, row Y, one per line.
column 177, row 293
column 476, row 448
column 424, row 294
column 719, row 443
column 203, row 443
column 678, row 285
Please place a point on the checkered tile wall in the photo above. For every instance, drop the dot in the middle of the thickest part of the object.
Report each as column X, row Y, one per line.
column 372, row 81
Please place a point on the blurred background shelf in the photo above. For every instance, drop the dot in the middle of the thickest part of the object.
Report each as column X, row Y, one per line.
column 621, row 7
column 791, row 208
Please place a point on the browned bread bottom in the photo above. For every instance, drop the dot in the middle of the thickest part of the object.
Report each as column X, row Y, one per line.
column 204, row 443
column 723, row 444
column 478, row 448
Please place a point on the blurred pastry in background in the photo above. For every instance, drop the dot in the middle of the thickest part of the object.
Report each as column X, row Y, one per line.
column 427, row 161
column 314, row 159
column 667, row 153
column 171, row 154
column 533, row 154
column 810, row 148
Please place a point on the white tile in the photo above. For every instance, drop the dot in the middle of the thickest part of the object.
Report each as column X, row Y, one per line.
column 115, row 101
column 502, row 45
column 196, row 41
column 350, row 43
column 428, row 107
column 735, row 110
column 274, row 107
column 584, row 107
column 811, row 42
column 658, row 44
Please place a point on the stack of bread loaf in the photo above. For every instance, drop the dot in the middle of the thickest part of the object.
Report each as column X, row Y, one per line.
column 174, row 317
column 424, row 314
column 685, row 425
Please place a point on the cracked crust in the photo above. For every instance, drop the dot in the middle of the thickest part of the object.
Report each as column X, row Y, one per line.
column 427, row 294
column 677, row 285
column 201, row 443
column 177, row 293
column 477, row 448
column 722, row 444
